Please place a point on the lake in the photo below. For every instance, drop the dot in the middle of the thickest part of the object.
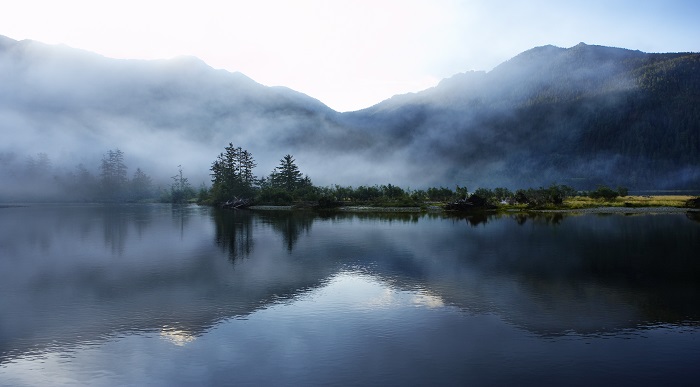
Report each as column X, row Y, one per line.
column 112, row 295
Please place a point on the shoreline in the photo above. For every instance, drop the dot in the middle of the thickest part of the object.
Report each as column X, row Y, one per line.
column 622, row 210
column 435, row 209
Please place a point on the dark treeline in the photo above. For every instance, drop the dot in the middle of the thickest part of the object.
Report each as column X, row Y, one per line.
column 233, row 184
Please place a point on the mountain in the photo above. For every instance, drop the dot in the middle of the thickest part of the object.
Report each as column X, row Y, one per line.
column 75, row 105
column 581, row 116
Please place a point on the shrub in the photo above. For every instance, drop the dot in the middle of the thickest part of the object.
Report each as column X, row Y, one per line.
column 603, row 192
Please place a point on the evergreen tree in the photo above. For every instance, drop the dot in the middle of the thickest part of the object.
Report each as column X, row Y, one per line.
column 181, row 190
column 232, row 174
column 246, row 165
column 39, row 167
column 287, row 175
column 84, row 186
column 141, row 185
column 113, row 179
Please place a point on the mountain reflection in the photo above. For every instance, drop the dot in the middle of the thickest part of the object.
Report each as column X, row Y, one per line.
column 71, row 274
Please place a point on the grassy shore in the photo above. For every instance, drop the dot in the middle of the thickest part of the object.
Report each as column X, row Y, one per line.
column 677, row 201
column 640, row 203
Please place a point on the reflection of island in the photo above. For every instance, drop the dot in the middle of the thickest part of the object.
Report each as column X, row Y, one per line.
column 290, row 224
column 479, row 218
column 234, row 228
column 118, row 221
column 553, row 218
column 59, row 285
column 539, row 277
column 234, row 232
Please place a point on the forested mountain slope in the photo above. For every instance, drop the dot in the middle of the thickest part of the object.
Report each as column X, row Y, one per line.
column 74, row 105
column 579, row 116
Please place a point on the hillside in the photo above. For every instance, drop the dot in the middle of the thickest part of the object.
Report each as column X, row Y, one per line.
column 580, row 116
column 74, row 105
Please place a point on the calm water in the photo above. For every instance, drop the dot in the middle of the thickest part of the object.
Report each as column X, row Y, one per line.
column 159, row 295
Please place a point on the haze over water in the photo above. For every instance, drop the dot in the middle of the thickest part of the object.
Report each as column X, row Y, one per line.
column 162, row 295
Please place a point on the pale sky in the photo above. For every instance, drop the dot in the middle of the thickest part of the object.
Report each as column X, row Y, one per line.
column 350, row 54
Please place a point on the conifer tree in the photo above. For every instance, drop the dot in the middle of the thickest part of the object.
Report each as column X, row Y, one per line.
column 232, row 174
column 113, row 177
column 287, row 176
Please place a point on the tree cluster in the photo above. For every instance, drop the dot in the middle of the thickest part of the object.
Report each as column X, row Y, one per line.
column 606, row 193
column 554, row 194
column 113, row 179
column 285, row 184
column 180, row 190
column 233, row 180
column 37, row 179
column 232, row 175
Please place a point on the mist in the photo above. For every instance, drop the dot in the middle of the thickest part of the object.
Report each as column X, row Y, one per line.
column 534, row 120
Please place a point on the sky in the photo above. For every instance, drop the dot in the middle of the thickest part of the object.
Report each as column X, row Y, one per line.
column 350, row 54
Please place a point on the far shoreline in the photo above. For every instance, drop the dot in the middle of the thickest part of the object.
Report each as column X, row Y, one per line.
column 435, row 209
column 622, row 210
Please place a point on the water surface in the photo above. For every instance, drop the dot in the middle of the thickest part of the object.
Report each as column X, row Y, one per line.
column 163, row 295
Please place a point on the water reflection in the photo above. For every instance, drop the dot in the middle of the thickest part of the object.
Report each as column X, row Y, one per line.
column 234, row 232
column 482, row 218
column 693, row 215
column 546, row 217
column 72, row 275
column 290, row 224
column 606, row 267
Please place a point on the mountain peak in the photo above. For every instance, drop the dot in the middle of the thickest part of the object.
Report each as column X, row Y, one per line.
column 5, row 41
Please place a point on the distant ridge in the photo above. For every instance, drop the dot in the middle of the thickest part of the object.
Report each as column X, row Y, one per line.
column 582, row 116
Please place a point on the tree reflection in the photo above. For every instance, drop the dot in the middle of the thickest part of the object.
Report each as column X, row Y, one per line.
column 289, row 224
column 387, row 216
column 234, row 232
column 120, row 221
column 554, row 218
column 180, row 216
column 115, row 228
column 474, row 219
column 619, row 272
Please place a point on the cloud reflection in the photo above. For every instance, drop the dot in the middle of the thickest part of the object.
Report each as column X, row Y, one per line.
column 178, row 337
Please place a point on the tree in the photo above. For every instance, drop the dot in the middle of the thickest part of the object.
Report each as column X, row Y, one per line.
column 442, row 194
column 502, row 194
column 113, row 177
column 181, row 190
column 461, row 192
column 603, row 192
column 85, row 185
column 485, row 194
column 246, row 164
column 287, row 175
column 232, row 174
column 39, row 167
column 141, row 185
